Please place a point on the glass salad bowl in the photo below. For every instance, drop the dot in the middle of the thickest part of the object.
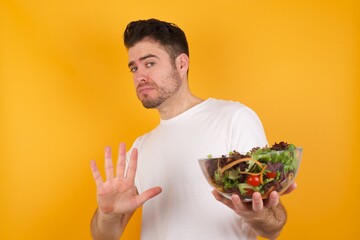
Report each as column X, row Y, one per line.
column 261, row 170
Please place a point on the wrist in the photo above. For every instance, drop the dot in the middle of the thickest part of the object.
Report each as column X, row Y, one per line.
column 106, row 226
column 107, row 216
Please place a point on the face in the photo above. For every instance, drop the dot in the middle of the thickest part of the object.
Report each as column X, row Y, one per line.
column 155, row 76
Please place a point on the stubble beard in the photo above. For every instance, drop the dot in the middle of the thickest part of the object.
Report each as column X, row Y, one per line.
column 164, row 93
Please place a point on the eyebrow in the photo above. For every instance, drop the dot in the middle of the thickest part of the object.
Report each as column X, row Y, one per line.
column 143, row 58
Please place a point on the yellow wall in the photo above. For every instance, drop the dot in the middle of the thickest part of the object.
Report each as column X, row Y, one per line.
column 65, row 93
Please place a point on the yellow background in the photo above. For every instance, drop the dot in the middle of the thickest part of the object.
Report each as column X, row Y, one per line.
column 65, row 93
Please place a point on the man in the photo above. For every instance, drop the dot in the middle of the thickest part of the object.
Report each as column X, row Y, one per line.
column 162, row 174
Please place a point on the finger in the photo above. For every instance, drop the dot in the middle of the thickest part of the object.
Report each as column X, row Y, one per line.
column 237, row 202
column 96, row 174
column 291, row 188
column 109, row 170
column 131, row 171
column 257, row 202
column 273, row 199
column 121, row 162
column 240, row 206
column 148, row 194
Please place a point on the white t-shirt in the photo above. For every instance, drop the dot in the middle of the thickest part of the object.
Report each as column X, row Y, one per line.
column 168, row 157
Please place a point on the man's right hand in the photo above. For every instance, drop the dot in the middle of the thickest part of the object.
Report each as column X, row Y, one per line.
column 117, row 197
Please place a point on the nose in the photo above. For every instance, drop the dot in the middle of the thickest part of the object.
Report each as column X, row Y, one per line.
column 140, row 76
column 140, row 79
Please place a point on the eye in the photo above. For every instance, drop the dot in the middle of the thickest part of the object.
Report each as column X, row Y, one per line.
column 133, row 69
column 150, row 64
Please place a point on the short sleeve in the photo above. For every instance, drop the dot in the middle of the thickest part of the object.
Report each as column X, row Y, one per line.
column 247, row 131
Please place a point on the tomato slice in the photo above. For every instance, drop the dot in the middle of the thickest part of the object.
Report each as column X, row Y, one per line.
column 249, row 192
column 253, row 180
column 271, row 174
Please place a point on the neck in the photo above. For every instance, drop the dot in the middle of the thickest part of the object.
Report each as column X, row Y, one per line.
column 178, row 104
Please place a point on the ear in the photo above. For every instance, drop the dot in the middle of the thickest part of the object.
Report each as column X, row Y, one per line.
column 182, row 63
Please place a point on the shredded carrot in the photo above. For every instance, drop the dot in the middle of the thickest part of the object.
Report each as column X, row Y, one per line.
column 230, row 165
column 250, row 173
column 261, row 174
column 266, row 195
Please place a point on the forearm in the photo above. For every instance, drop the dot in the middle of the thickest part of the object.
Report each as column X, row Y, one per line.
column 107, row 227
column 271, row 221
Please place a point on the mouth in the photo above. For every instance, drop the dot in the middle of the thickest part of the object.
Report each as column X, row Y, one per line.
column 144, row 89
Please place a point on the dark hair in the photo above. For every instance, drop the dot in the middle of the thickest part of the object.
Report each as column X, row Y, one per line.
column 170, row 36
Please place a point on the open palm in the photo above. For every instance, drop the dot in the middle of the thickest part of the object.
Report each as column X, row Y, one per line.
column 118, row 194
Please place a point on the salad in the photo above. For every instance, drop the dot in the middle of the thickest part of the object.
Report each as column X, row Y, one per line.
column 260, row 170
